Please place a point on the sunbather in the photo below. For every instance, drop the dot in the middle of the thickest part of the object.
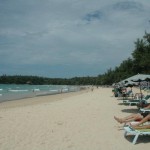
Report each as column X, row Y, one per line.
column 138, row 125
column 132, row 117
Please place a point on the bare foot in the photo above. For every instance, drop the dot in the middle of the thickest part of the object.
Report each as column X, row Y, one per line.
column 118, row 119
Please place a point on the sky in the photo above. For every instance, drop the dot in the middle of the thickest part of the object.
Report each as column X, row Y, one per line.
column 69, row 38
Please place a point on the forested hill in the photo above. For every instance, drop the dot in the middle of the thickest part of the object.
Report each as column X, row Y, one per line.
column 138, row 63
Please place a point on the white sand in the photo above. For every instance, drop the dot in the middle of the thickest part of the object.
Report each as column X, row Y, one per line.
column 77, row 121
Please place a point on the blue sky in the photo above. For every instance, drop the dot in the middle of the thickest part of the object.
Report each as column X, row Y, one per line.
column 68, row 38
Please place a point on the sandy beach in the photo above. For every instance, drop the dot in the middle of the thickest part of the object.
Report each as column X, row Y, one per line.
column 74, row 121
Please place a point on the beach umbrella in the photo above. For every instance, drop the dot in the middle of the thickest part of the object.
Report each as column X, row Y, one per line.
column 130, row 84
column 139, row 78
column 136, row 78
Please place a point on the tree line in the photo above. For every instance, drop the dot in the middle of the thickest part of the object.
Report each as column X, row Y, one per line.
column 139, row 62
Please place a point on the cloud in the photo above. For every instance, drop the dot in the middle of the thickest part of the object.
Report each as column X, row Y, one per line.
column 128, row 5
column 89, row 36
column 96, row 15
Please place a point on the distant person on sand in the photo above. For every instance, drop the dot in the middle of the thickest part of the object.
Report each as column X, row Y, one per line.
column 92, row 88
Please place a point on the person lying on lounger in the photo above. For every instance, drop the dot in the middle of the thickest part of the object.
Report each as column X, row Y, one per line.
column 139, row 124
column 133, row 117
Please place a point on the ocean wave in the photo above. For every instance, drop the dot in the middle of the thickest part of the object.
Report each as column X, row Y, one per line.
column 18, row 90
column 36, row 90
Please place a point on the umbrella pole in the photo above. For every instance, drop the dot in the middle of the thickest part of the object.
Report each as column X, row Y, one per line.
column 140, row 90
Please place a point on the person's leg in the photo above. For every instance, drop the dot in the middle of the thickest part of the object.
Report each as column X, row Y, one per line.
column 145, row 119
column 118, row 119
column 134, row 117
column 129, row 118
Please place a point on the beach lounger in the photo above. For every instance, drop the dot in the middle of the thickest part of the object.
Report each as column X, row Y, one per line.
column 135, row 102
column 136, row 97
column 130, row 131
column 132, row 102
column 145, row 110
column 127, row 95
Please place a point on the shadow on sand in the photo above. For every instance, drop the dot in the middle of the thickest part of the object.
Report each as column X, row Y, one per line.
column 126, row 104
column 121, row 103
column 130, row 110
column 141, row 139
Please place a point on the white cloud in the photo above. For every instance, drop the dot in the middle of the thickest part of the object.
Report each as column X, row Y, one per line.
column 93, row 34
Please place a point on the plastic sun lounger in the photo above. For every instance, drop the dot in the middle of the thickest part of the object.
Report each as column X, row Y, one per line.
column 127, row 100
column 135, row 101
column 130, row 131
column 145, row 110
column 132, row 102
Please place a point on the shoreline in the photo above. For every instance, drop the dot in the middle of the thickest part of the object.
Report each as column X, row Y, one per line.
column 38, row 99
column 10, row 92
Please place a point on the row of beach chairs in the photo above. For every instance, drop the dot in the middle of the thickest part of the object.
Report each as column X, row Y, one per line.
column 140, row 101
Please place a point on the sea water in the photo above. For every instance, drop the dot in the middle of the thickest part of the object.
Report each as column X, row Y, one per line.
column 20, row 91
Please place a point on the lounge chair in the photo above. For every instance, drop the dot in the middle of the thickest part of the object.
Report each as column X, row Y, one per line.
column 127, row 95
column 136, row 101
column 130, row 131
column 145, row 110
column 137, row 96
